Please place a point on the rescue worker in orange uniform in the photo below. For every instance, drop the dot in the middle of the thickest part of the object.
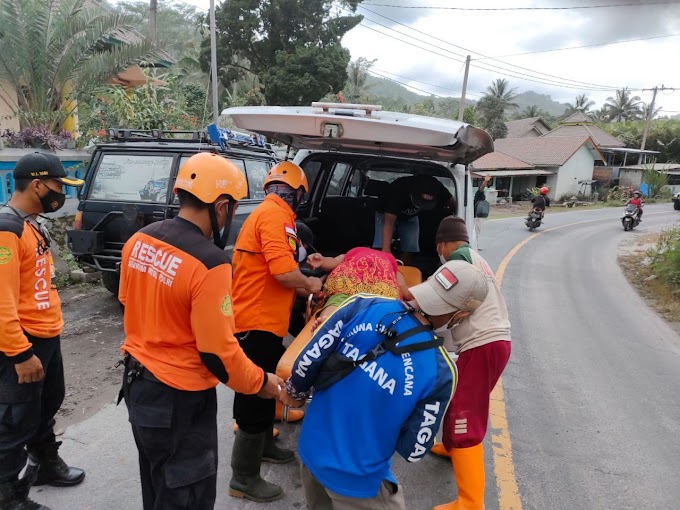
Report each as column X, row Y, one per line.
column 266, row 280
column 31, row 367
column 179, row 325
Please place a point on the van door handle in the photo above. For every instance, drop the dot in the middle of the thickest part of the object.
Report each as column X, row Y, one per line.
column 158, row 214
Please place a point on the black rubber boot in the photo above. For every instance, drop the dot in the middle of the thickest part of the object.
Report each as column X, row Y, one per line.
column 52, row 470
column 246, row 458
column 272, row 453
column 14, row 496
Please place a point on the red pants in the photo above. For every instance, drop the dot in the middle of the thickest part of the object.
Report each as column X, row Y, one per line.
column 467, row 417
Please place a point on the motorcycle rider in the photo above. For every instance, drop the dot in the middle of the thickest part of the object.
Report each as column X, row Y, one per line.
column 637, row 202
column 541, row 201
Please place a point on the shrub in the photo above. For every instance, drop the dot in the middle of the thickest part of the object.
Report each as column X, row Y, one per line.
column 666, row 258
column 654, row 179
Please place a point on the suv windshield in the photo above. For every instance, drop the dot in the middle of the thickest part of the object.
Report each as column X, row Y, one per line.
column 127, row 177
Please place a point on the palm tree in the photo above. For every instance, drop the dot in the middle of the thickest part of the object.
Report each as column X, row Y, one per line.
column 623, row 106
column 491, row 108
column 530, row 112
column 581, row 104
column 500, row 89
column 52, row 51
column 648, row 112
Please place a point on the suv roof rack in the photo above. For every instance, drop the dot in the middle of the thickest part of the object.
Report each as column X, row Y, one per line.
column 221, row 137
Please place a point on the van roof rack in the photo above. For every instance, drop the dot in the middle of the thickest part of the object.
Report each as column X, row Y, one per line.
column 221, row 137
column 347, row 109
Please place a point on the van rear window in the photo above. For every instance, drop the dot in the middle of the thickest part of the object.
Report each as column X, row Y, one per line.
column 389, row 176
column 139, row 177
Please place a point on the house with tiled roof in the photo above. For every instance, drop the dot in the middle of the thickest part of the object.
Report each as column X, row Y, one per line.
column 560, row 163
column 531, row 127
column 578, row 125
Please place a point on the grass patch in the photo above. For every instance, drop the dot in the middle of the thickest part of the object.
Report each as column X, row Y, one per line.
column 652, row 266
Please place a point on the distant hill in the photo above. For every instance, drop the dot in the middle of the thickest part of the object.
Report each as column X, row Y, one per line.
column 384, row 89
column 543, row 101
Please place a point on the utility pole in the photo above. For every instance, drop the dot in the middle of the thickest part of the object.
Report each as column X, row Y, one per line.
column 213, row 62
column 461, row 106
column 648, row 117
column 153, row 16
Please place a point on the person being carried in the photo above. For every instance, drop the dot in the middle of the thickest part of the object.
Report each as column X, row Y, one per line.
column 541, row 201
column 359, row 271
column 638, row 202
column 482, row 342
column 380, row 356
column 404, row 199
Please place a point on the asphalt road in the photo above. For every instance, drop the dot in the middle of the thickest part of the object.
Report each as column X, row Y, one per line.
column 591, row 390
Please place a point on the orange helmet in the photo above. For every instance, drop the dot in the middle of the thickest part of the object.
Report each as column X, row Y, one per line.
column 289, row 173
column 544, row 190
column 207, row 176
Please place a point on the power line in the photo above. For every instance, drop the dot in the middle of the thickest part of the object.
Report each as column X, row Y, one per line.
column 584, row 46
column 421, row 82
column 404, row 84
column 569, row 8
column 581, row 85
column 520, row 77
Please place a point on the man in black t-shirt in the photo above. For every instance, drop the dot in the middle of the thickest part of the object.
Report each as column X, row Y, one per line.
column 404, row 200
column 541, row 201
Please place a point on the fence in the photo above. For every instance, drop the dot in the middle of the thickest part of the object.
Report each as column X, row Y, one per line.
column 75, row 165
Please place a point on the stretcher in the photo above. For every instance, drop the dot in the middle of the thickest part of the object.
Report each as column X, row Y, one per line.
column 412, row 276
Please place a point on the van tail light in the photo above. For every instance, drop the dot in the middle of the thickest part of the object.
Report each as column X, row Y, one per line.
column 78, row 221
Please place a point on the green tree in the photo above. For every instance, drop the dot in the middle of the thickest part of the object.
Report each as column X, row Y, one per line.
column 499, row 98
column 292, row 46
column 470, row 115
column 581, row 104
column 47, row 48
column 357, row 89
column 530, row 112
column 425, row 107
column 623, row 107
column 664, row 136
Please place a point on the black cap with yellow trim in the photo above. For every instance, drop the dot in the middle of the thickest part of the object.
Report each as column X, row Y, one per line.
column 44, row 166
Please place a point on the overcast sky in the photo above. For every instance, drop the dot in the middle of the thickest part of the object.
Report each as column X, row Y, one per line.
column 637, row 65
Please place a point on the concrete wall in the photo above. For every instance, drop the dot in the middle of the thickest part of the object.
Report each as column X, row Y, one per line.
column 7, row 93
column 578, row 167
column 630, row 178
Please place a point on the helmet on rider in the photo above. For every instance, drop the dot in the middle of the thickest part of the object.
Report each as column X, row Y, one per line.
column 637, row 193
column 288, row 181
column 544, row 190
column 213, row 180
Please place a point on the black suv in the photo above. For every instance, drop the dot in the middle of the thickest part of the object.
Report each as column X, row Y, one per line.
column 129, row 184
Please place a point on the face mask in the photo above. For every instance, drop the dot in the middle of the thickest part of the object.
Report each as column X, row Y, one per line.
column 52, row 201
column 302, row 254
column 442, row 258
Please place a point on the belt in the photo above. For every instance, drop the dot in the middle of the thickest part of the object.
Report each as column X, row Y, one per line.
column 134, row 369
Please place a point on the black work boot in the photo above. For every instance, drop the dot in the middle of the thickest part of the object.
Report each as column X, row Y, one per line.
column 52, row 470
column 246, row 458
column 14, row 496
column 272, row 453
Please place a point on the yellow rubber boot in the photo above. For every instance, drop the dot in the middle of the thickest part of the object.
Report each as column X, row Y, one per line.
column 468, row 469
column 439, row 450
column 293, row 414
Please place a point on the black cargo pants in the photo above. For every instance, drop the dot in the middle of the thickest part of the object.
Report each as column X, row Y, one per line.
column 176, row 436
column 27, row 411
column 252, row 413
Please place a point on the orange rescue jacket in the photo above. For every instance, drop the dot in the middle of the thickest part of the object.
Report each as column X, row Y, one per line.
column 179, row 321
column 266, row 246
column 28, row 298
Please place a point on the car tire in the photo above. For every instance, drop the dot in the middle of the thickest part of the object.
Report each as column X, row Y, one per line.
column 111, row 281
column 676, row 205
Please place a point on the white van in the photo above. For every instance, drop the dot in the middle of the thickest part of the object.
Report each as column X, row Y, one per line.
column 350, row 153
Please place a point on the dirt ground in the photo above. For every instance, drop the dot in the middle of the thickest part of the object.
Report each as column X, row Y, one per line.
column 91, row 340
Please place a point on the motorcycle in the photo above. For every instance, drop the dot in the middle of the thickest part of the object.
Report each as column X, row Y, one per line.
column 630, row 218
column 534, row 219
